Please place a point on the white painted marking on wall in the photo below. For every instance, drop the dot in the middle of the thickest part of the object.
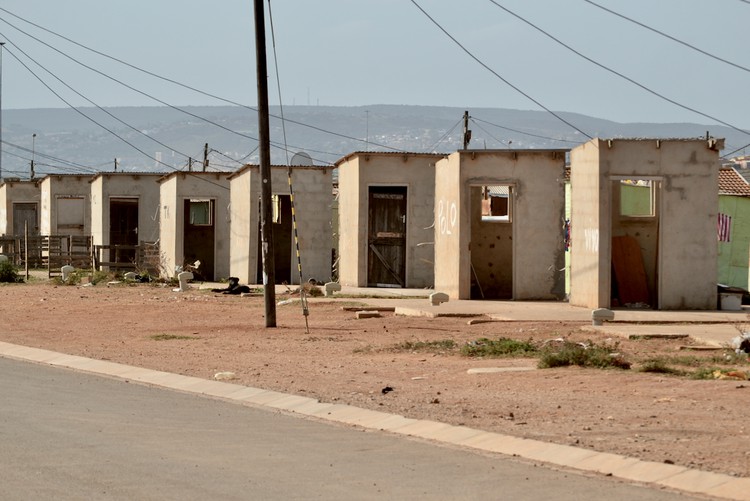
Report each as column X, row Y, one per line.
column 447, row 217
column 592, row 239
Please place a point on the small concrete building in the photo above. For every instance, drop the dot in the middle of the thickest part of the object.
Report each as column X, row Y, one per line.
column 124, row 212
column 124, row 208
column 65, row 205
column 661, row 254
column 499, row 224
column 386, row 217
column 19, row 204
column 194, row 223
column 313, row 196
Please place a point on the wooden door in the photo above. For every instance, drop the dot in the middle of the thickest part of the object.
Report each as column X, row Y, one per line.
column 25, row 213
column 386, row 241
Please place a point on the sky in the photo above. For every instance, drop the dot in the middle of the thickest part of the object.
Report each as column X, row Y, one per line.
column 367, row 52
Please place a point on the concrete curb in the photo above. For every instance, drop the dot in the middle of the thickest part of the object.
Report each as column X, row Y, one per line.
column 622, row 467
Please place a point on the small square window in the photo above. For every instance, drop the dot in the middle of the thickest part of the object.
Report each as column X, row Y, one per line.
column 200, row 212
column 497, row 203
column 637, row 198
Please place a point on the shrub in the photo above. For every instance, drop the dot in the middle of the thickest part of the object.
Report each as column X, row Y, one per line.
column 8, row 273
column 660, row 366
column 502, row 347
column 568, row 353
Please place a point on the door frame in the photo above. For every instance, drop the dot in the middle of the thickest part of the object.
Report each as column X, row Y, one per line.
column 367, row 225
column 659, row 210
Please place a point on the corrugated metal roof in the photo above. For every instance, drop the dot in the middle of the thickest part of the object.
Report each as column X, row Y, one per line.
column 731, row 183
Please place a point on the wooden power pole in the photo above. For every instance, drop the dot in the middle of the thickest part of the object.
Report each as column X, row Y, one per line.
column 264, row 135
column 467, row 132
column 205, row 158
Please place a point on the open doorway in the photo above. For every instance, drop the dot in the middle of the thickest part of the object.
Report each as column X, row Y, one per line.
column 199, row 236
column 635, row 242
column 123, row 228
column 386, row 237
column 492, row 220
column 282, row 230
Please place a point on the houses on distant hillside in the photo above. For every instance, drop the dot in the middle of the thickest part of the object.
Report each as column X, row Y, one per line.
column 651, row 223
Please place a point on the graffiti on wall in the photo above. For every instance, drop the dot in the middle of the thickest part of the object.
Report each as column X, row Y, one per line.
column 447, row 217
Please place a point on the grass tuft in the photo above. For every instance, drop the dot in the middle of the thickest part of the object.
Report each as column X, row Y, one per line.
column 502, row 347
column 567, row 353
column 169, row 337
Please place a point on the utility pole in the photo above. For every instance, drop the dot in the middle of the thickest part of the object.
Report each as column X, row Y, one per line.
column 115, row 164
column 205, row 158
column 2, row 45
column 33, row 150
column 467, row 132
column 264, row 134
column 190, row 164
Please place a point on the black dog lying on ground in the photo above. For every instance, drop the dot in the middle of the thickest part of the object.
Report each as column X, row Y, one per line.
column 234, row 287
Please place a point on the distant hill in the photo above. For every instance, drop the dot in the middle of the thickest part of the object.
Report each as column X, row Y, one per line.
column 68, row 142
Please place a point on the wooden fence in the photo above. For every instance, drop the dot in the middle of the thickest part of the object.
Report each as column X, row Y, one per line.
column 55, row 251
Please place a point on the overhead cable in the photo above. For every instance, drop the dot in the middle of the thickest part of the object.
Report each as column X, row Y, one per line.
column 614, row 72
column 485, row 66
column 180, row 84
column 665, row 35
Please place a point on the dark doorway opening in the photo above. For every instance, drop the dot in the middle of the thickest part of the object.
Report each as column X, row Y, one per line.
column 386, row 238
column 199, row 235
column 123, row 228
column 282, row 240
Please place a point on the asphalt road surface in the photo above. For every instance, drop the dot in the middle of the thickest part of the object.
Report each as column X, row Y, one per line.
column 71, row 436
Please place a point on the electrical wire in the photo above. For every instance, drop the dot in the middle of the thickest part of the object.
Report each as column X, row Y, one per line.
column 134, row 129
column 665, row 35
column 504, row 80
column 444, row 136
column 180, row 84
column 525, row 133
column 506, row 143
column 48, row 157
column 617, row 73
column 80, row 112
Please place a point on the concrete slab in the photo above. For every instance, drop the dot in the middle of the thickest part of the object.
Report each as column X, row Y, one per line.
column 736, row 488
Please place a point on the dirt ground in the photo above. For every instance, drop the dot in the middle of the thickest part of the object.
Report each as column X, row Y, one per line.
column 701, row 424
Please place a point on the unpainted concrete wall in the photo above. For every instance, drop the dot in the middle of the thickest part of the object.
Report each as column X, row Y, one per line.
column 173, row 191
column 685, row 249
column 16, row 192
column 55, row 187
column 357, row 173
column 144, row 187
column 461, row 237
column 312, row 199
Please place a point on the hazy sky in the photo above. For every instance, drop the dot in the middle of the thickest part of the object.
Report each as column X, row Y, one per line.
column 365, row 52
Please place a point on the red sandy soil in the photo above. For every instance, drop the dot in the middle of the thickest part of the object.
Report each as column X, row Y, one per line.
column 700, row 424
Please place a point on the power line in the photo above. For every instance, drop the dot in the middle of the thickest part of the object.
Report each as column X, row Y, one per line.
column 180, row 84
column 444, row 136
column 138, row 131
column 525, row 133
column 82, row 113
column 674, row 39
column 43, row 155
column 506, row 143
column 485, row 66
column 614, row 72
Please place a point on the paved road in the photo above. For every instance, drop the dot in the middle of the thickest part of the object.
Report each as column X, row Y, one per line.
column 66, row 435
